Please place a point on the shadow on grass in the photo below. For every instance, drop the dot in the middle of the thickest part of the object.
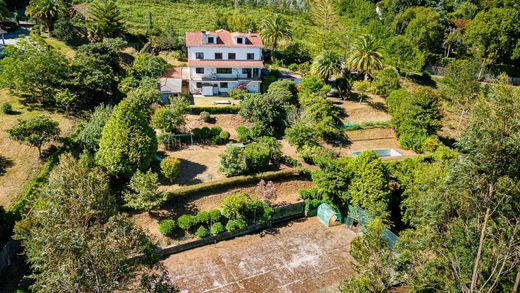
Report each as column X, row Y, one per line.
column 5, row 163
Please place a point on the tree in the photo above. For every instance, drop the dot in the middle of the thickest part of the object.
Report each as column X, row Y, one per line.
column 332, row 181
column 147, row 65
column 285, row 90
column 143, row 191
column 33, row 70
column 365, row 56
column 169, row 118
column 494, row 36
column 386, row 80
column 461, row 84
column 4, row 10
column 467, row 224
column 401, row 53
column 274, row 29
column 233, row 161
column 35, row 131
column 46, row 11
column 127, row 142
column 170, row 167
column 369, row 185
column 344, row 86
column 88, row 133
column 267, row 109
column 326, row 64
column 106, row 20
column 422, row 26
column 234, row 206
column 325, row 16
column 65, row 99
column 75, row 240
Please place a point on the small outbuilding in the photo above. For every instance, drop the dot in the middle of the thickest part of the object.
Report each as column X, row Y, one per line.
column 328, row 216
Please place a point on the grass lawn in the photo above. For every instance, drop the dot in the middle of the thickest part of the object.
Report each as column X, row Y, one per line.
column 20, row 162
column 60, row 46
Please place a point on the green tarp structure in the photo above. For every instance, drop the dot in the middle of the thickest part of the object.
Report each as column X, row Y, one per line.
column 328, row 216
column 355, row 213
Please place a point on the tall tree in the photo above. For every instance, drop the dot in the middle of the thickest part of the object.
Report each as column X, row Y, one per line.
column 35, row 131
column 325, row 16
column 274, row 29
column 326, row 64
column 106, row 20
column 366, row 55
column 401, row 53
column 46, row 11
column 127, row 142
column 74, row 239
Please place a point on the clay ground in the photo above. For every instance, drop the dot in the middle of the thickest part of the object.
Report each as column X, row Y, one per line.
column 19, row 163
column 304, row 256
column 372, row 108
column 286, row 191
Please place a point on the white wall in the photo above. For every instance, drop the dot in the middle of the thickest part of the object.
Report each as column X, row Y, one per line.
column 209, row 52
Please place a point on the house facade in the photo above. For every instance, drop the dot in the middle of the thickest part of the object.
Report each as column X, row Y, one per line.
column 221, row 60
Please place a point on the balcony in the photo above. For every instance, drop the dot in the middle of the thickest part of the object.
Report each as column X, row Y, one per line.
column 227, row 77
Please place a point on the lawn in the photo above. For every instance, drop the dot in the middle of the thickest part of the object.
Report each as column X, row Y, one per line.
column 20, row 161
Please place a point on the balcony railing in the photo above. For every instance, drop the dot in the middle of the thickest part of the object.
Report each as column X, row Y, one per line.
column 227, row 77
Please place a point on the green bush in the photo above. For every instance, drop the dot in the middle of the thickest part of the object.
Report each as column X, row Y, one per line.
column 202, row 217
column 186, row 222
column 309, row 193
column 300, row 134
column 214, row 215
column 385, row 81
column 166, row 227
column 362, row 86
column 290, row 162
column 233, row 161
column 231, row 109
column 217, row 228
column 257, row 157
column 224, row 136
column 201, row 232
column 243, row 134
column 6, row 108
column 237, row 224
column 310, row 153
column 234, row 206
column 170, row 167
column 205, row 116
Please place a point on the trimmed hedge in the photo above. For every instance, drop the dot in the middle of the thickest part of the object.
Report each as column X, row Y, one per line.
column 227, row 109
column 232, row 182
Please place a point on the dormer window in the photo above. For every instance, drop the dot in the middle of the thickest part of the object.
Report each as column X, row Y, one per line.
column 211, row 40
column 240, row 40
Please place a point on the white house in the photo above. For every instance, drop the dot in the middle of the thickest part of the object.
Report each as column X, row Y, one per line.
column 221, row 60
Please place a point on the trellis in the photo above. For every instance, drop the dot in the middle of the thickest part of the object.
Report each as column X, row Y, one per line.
column 176, row 141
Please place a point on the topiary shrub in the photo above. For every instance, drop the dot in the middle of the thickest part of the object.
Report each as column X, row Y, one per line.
column 166, row 227
column 236, row 224
column 170, row 168
column 201, row 232
column 205, row 116
column 257, row 156
column 243, row 134
column 217, row 228
column 214, row 215
column 224, row 136
column 202, row 217
column 186, row 222
column 6, row 108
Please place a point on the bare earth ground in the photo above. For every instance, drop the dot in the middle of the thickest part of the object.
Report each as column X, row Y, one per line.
column 20, row 162
column 372, row 108
column 304, row 256
column 228, row 122
column 287, row 191
column 375, row 138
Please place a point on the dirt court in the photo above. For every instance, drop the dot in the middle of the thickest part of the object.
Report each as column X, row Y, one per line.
column 303, row 256
column 373, row 108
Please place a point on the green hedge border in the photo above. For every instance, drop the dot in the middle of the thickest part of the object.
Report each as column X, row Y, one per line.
column 228, row 109
column 233, row 182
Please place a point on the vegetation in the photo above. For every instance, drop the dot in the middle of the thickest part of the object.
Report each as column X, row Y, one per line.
column 143, row 191
column 167, row 227
column 170, row 168
column 35, row 131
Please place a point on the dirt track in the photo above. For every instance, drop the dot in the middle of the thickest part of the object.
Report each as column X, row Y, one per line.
column 304, row 256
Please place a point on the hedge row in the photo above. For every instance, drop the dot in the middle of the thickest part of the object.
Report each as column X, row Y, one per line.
column 228, row 109
column 366, row 125
column 232, row 182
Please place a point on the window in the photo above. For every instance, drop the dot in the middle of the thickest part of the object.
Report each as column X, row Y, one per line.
column 211, row 40
column 232, row 56
column 218, row 56
column 199, row 70
column 223, row 85
column 240, row 40
column 199, row 55
column 250, row 56
column 224, row 71
column 198, row 85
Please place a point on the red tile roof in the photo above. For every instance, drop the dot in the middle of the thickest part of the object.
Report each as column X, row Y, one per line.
column 224, row 39
column 225, row 63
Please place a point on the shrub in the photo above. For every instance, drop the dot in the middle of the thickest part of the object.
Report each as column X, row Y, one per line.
column 217, row 228
column 237, row 93
column 170, row 167
column 233, row 161
column 186, row 222
column 234, row 205
column 257, row 156
column 237, row 224
column 290, row 162
column 309, row 193
column 166, row 227
column 224, row 136
column 310, row 153
column 243, row 134
column 6, row 108
column 201, row 232
column 430, row 144
column 274, row 146
column 214, row 215
column 232, row 109
column 385, row 81
column 205, row 116
column 202, row 217
column 301, row 134
column 362, row 86
column 143, row 191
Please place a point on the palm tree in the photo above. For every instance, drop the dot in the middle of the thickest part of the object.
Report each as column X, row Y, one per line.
column 273, row 30
column 327, row 63
column 365, row 55
column 46, row 11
